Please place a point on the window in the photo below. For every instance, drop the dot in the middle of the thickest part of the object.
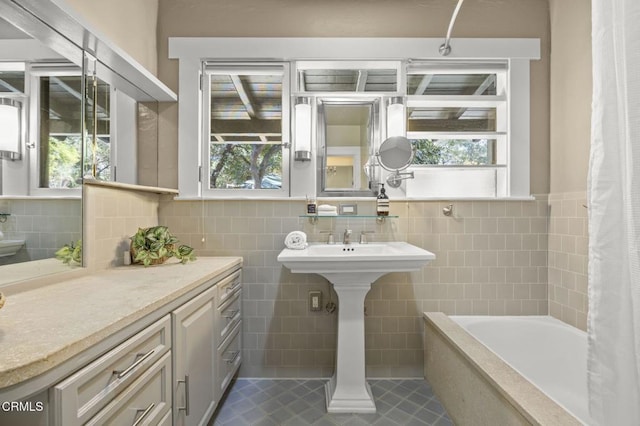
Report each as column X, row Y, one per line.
column 457, row 116
column 247, row 110
column 11, row 80
column 469, row 119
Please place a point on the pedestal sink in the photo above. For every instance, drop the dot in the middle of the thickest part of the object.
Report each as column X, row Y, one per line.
column 352, row 268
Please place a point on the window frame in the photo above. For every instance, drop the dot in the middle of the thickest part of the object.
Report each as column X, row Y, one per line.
column 499, row 101
column 243, row 68
column 517, row 52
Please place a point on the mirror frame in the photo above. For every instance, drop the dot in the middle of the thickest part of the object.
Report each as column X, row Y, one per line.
column 374, row 139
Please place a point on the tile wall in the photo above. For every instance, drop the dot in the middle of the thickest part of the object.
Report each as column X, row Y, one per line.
column 568, row 253
column 112, row 216
column 45, row 225
column 491, row 259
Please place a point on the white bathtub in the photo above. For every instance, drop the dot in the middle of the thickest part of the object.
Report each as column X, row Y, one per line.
column 549, row 353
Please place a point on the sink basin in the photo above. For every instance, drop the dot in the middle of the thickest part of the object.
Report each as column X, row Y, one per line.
column 10, row 247
column 352, row 268
column 337, row 262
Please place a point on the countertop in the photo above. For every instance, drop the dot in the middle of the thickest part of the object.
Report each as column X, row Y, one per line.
column 44, row 327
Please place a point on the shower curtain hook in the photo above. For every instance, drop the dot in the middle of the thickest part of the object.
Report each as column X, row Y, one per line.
column 445, row 48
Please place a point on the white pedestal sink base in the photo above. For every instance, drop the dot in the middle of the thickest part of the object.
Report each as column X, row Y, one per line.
column 356, row 403
column 351, row 269
column 348, row 390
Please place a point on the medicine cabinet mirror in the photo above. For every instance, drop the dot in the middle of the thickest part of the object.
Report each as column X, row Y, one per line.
column 348, row 130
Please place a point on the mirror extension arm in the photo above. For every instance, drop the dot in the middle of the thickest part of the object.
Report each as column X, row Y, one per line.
column 394, row 180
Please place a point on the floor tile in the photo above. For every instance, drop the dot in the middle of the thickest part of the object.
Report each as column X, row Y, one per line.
column 266, row 402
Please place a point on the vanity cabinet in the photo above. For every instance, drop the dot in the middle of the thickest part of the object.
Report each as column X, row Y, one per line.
column 194, row 360
column 146, row 402
column 207, row 350
column 170, row 367
column 229, row 336
column 82, row 397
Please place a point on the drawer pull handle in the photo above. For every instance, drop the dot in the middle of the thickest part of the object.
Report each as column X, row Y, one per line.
column 232, row 286
column 234, row 357
column 186, row 395
column 144, row 414
column 232, row 314
column 129, row 369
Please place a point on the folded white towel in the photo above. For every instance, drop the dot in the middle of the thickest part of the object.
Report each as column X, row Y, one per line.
column 327, row 208
column 296, row 240
column 327, row 213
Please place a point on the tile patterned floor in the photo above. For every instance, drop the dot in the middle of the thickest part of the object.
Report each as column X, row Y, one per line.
column 302, row 402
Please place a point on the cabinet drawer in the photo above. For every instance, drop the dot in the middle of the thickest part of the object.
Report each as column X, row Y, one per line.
column 82, row 395
column 146, row 402
column 229, row 357
column 166, row 420
column 228, row 286
column 228, row 315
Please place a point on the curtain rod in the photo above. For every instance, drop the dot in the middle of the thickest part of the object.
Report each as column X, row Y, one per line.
column 445, row 48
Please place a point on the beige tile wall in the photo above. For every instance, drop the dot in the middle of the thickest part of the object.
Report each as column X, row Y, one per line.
column 45, row 225
column 112, row 215
column 491, row 259
column 568, row 253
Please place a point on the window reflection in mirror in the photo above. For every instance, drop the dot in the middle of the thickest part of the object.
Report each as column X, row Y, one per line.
column 97, row 118
column 347, row 133
column 59, row 98
column 51, row 154
column 65, row 117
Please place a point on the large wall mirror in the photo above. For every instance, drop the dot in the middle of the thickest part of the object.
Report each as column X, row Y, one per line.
column 78, row 118
column 348, row 130
column 40, row 203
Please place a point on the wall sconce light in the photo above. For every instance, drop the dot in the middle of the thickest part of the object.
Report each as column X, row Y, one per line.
column 303, row 129
column 395, row 117
column 10, row 110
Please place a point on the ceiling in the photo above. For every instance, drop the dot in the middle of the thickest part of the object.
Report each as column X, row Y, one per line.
column 8, row 31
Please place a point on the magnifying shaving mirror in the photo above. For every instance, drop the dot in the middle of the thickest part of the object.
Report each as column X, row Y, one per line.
column 396, row 154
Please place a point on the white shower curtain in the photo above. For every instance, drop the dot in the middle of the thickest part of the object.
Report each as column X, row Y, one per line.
column 614, row 215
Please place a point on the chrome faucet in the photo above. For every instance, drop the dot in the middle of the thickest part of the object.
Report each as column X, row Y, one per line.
column 346, row 237
column 330, row 239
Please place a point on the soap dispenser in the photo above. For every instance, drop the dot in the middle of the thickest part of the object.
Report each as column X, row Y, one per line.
column 382, row 203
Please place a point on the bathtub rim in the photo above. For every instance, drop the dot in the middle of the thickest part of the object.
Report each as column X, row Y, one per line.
column 533, row 404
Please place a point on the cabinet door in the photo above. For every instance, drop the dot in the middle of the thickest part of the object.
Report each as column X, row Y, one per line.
column 195, row 395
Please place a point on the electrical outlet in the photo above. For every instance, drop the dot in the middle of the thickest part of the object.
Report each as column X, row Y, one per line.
column 315, row 300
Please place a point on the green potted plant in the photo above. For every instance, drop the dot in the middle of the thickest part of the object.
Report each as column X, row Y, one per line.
column 154, row 245
column 69, row 253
